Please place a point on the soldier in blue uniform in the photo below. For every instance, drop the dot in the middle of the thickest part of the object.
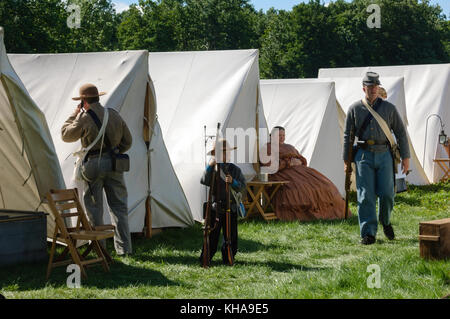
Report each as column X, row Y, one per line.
column 373, row 159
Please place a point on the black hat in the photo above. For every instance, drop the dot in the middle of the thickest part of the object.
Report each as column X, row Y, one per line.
column 371, row 78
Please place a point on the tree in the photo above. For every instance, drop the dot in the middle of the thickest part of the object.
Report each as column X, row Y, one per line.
column 278, row 58
column 219, row 25
column 131, row 31
column 292, row 43
column 445, row 30
column 409, row 33
column 315, row 41
column 314, row 36
column 32, row 25
column 98, row 28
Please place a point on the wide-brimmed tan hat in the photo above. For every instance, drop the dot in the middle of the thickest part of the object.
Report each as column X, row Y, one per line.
column 223, row 144
column 88, row 90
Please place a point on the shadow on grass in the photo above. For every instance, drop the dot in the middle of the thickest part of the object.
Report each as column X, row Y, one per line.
column 250, row 246
column 399, row 199
column 32, row 277
column 408, row 241
column 431, row 188
column 245, row 246
column 280, row 266
column 352, row 220
column 123, row 275
column 191, row 240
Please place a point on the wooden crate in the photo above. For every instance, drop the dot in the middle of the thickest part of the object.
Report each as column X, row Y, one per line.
column 434, row 239
column 23, row 237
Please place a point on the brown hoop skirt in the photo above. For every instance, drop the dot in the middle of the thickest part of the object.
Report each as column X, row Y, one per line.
column 309, row 195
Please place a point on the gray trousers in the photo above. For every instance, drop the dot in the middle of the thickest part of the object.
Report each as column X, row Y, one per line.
column 103, row 178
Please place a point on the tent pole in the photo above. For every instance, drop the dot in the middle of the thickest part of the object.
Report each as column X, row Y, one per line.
column 148, row 219
column 257, row 166
column 148, row 211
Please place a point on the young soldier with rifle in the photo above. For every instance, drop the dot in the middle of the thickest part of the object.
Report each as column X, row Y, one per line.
column 221, row 209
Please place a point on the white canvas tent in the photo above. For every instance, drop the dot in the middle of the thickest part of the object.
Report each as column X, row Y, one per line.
column 427, row 91
column 29, row 165
column 307, row 109
column 349, row 90
column 198, row 89
column 52, row 79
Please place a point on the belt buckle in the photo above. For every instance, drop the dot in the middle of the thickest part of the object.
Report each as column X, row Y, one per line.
column 371, row 142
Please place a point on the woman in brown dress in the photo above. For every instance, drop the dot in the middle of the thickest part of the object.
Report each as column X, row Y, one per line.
column 309, row 195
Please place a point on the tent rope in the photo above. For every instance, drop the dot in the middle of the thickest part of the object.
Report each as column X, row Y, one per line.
column 40, row 203
column 29, row 175
column 150, row 127
column 3, row 200
column 149, row 191
column 23, row 142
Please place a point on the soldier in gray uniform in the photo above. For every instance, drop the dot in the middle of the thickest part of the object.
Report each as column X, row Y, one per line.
column 373, row 160
column 82, row 125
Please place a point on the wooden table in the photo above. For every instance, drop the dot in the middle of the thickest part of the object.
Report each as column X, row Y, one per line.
column 259, row 198
column 444, row 164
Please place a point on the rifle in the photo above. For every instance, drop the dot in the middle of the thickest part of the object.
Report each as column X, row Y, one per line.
column 228, row 224
column 207, row 228
column 348, row 175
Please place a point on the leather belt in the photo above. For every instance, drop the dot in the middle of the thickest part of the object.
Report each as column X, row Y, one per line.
column 366, row 144
column 105, row 151
column 374, row 142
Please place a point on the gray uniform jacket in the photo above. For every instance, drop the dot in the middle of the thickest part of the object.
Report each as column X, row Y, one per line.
column 357, row 114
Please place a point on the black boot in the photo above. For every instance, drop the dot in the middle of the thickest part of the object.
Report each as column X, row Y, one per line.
column 389, row 232
column 368, row 240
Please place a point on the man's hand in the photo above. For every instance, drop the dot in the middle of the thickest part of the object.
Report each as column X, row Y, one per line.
column 229, row 179
column 78, row 109
column 212, row 162
column 347, row 166
column 405, row 165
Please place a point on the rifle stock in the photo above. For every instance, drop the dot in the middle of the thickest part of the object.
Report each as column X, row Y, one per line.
column 228, row 225
column 348, row 181
column 207, row 227
column 347, row 191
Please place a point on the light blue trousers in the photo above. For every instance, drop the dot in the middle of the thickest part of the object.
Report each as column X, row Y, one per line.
column 374, row 178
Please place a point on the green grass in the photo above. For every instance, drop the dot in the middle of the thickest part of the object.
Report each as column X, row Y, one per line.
column 322, row 259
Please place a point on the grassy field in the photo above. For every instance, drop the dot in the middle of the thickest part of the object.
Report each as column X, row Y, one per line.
column 322, row 259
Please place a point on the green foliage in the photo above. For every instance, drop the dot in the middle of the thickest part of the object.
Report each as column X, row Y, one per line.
column 292, row 43
column 130, row 32
column 313, row 36
column 445, row 30
column 277, row 56
column 172, row 25
column 32, row 25
column 41, row 26
column 98, row 27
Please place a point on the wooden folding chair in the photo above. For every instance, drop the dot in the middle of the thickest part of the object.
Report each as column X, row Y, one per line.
column 66, row 204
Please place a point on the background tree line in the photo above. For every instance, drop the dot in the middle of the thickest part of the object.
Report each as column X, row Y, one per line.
column 292, row 43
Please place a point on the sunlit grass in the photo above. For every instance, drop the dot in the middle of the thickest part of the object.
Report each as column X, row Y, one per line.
column 322, row 259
